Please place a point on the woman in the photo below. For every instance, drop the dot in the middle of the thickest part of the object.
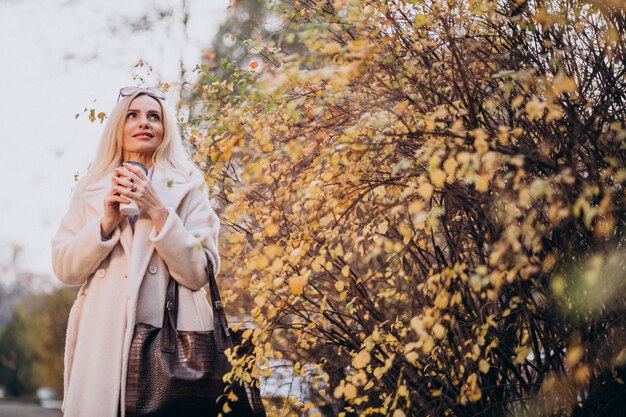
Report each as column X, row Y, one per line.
column 124, row 263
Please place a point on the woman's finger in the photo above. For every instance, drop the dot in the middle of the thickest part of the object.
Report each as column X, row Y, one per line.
column 123, row 182
column 131, row 178
column 140, row 173
column 125, row 173
column 116, row 199
column 112, row 191
column 124, row 191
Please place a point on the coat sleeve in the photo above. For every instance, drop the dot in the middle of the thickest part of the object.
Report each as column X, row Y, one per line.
column 184, row 244
column 77, row 246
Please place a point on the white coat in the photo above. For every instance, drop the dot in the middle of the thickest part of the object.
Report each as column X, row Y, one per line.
column 124, row 281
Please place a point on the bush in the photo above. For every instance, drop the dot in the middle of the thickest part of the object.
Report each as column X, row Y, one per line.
column 425, row 207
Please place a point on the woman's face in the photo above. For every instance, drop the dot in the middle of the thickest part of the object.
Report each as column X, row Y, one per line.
column 143, row 128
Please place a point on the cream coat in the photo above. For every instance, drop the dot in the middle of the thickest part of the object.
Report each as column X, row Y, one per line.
column 123, row 282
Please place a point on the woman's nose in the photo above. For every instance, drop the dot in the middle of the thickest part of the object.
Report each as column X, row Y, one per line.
column 144, row 122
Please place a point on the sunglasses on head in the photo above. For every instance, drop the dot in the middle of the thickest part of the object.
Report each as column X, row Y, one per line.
column 151, row 91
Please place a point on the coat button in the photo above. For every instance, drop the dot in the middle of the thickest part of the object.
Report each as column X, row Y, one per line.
column 152, row 269
column 101, row 273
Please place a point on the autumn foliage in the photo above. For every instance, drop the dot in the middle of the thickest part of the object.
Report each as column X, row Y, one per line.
column 423, row 206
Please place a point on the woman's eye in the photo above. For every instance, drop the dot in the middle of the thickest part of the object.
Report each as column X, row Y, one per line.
column 154, row 117
column 131, row 115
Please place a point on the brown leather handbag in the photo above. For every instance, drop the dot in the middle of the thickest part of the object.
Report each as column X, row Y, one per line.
column 179, row 373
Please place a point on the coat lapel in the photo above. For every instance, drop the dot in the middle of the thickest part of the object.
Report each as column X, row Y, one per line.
column 171, row 188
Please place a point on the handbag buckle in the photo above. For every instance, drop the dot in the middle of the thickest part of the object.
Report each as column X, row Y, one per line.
column 168, row 305
column 218, row 305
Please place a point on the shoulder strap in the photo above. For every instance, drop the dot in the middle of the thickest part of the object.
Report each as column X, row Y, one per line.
column 170, row 317
column 222, row 333
column 223, row 337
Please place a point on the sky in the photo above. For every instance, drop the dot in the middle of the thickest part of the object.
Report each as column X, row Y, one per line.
column 58, row 57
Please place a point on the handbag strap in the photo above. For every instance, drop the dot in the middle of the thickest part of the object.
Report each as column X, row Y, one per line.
column 170, row 317
column 223, row 337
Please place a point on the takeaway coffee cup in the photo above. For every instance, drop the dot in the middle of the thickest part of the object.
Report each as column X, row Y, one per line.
column 131, row 208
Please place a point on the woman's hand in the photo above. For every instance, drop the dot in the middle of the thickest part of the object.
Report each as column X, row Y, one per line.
column 131, row 182
column 112, row 216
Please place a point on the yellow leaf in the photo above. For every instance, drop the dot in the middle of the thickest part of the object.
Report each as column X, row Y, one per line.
column 534, row 108
column 270, row 229
column 425, row 190
column 574, row 355
column 417, row 325
column 415, row 207
column 483, row 366
column 517, row 101
column 340, row 286
column 345, row 271
column 482, row 183
column 232, row 396
column 362, row 359
column 338, row 392
column 442, row 300
column 411, row 356
column 480, row 140
column 260, row 300
column 261, row 262
column 438, row 177
column 475, row 395
column 382, row 227
column 272, row 250
column 563, row 84
column 400, row 107
column 349, row 392
column 521, row 355
column 297, row 284
column 449, row 166
column 439, row 331
column 581, row 375
column 418, row 21
column 428, row 345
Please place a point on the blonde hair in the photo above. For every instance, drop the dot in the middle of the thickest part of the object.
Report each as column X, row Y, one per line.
column 170, row 154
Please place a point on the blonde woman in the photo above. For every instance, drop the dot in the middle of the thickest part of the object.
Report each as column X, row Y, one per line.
column 124, row 262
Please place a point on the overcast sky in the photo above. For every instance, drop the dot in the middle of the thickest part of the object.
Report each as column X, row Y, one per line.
column 58, row 57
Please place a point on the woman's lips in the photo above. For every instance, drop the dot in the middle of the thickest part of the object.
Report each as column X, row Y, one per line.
column 143, row 135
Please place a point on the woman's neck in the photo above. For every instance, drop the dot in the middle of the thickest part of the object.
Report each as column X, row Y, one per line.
column 138, row 157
